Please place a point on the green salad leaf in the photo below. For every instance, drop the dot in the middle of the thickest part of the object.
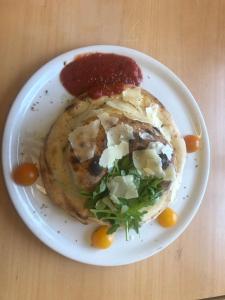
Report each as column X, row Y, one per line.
column 121, row 212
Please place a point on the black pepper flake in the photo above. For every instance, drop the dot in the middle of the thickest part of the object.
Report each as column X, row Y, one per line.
column 185, row 187
column 46, row 92
column 33, row 108
column 58, row 231
column 76, row 241
column 196, row 166
column 64, row 63
column 43, row 206
column 51, row 102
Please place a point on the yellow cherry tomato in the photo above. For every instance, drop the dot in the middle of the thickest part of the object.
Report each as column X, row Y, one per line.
column 25, row 174
column 100, row 238
column 192, row 143
column 167, row 218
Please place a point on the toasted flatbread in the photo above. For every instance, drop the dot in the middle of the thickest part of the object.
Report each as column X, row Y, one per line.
column 64, row 176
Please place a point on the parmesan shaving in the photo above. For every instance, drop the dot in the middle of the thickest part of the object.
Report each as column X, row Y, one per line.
column 123, row 186
column 112, row 153
column 83, row 140
column 121, row 132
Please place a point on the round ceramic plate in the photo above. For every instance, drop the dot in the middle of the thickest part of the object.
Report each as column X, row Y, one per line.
column 36, row 107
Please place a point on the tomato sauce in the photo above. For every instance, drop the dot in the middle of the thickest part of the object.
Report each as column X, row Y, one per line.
column 100, row 74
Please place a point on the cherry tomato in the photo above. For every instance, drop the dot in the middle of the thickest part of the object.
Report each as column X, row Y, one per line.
column 192, row 143
column 25, row 174
column 100, row 238
column 167, row 218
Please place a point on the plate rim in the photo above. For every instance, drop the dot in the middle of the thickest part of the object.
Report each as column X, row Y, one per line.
column 6, row 133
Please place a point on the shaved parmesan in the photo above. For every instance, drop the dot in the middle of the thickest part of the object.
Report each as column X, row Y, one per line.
column 82, row 140
column 123, row 186
column 152, row 115
column 128, row 110
column 161, row 148
column 157, row 146
column 132, row 95
column 145, row 135
column 168, row 151
column 148, row 162
column 110, row 154
column 121, row 132
column 170, row 173
column 166, row 132
column 107, row 121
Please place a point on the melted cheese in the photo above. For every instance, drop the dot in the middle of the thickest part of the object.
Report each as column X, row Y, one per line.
column 121, row 132
column 148, row 162
column 123, row 186
column 82, row 140
column 110, row 154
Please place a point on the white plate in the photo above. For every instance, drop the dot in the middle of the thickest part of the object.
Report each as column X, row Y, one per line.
column 34, row 110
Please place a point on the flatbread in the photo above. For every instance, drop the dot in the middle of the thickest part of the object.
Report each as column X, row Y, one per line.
column 59, row 178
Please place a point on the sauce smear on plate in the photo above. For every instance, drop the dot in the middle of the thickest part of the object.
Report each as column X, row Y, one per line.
column 100, row 74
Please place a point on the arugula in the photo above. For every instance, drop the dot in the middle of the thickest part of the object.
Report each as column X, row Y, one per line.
column 121, row 212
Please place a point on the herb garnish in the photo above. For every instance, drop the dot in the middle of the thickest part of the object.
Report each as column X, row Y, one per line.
column 121, row 212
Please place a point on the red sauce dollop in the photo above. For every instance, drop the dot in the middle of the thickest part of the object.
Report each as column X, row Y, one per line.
column 100, row 74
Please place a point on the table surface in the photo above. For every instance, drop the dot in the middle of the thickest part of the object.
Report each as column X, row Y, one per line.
column 189, row 37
